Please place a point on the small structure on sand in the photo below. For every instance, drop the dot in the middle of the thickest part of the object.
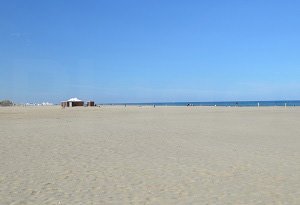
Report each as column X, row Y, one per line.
column 73, row 102
column 90, row 103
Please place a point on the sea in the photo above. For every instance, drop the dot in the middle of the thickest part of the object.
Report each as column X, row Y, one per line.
column 224, row 104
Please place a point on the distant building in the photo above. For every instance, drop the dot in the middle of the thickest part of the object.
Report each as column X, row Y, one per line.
column 73, row 102
column 45, row 104
column 90, row 103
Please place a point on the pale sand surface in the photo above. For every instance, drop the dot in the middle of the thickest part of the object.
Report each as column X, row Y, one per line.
column 145, row 155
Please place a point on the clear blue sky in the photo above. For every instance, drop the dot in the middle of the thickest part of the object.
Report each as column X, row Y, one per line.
column 149, row 51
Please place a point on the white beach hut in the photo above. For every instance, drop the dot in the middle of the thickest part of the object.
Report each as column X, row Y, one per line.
column 72, row 102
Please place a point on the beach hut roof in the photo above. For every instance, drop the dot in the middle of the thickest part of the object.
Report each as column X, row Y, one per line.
column 74, row 100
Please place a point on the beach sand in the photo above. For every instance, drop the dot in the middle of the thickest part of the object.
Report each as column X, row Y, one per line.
column 146, row 155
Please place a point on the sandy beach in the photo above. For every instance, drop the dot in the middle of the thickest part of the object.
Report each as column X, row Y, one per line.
column 146, row 155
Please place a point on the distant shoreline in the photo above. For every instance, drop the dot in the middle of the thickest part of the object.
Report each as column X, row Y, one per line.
column 281, row 103
column 219, row 104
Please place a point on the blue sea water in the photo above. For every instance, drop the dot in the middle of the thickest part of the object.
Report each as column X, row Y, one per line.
column 225, row 103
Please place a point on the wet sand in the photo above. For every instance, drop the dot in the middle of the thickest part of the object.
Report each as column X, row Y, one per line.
column 146, row 155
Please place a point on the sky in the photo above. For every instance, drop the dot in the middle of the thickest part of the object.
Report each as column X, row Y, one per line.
column 149, row 51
